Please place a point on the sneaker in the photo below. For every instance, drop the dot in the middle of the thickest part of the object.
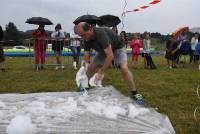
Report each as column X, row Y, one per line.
column 75, row 68
column 3, row 70
column 62, row 67
column 82, row 89
column 74, row 65
column 138, row 98
column 42, row 67
column 57, row 67
column 36, row 67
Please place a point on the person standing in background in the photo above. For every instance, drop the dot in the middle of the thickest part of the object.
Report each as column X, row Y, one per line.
column 40, row 36
column 58, row 43
column 124, row 38
column 75, row 46
column 2, row 58
column 197, row 52
column 114, row 29
column 146, row 47
column 148, row 61
column 135, row 44
column 194, row 42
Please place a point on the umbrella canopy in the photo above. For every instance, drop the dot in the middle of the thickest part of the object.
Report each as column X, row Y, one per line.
column 110, row 20
column 179, row 31
column 39, row 21
column 91, row 19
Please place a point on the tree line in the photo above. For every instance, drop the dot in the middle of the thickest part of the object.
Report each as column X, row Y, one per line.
column 12, row 33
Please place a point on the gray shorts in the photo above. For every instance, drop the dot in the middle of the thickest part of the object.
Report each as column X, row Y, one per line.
column 120, row 57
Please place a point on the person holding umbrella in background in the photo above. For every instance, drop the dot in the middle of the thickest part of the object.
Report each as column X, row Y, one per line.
column 40, row 43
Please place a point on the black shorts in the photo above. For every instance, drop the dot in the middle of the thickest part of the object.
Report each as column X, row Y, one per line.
column 173, row 57
column 167, row 55
column 57, row 46
column 196, row 57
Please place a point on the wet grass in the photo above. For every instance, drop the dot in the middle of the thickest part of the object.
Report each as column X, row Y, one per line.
column 171, row 91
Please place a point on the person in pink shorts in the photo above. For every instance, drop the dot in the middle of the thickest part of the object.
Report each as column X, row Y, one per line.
column 40, row 43
column 135, row 44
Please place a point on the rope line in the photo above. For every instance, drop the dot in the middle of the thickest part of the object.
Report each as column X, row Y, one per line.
column 198, row 96
column 123, row 14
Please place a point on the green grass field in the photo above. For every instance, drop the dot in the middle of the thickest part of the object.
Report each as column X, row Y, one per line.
column 172, row 91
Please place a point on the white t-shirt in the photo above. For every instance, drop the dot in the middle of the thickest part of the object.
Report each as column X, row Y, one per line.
column 194, row 42
column 146, row 45
column 58, row 34
column 74, row 40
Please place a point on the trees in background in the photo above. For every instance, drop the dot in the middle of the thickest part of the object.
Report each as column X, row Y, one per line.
column 11, row 32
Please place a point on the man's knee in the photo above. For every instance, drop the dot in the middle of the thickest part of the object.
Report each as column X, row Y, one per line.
column 124, row 68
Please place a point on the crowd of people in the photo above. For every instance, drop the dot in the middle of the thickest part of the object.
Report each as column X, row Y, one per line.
column 110, row 50
column 75, row 44
column 178, row 49
column 58, row 41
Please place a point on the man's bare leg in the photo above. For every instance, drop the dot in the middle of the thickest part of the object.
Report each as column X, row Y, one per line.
column 128, row 77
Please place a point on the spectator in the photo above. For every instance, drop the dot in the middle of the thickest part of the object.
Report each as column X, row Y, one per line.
column 2, row 58
column 197, row 52
column 115, row 30
column 185, row 50
column 40, row 36
column 75, row 46
column 146, row 43
column 194, row 42
column 180, row 39
column 174, row 52
column 58, row 42
column 135, row 44
column 124, row 38
column 168, row 48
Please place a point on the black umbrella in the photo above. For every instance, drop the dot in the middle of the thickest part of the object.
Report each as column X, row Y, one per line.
column 110, row 20
column 39, row 21
column 91, row 19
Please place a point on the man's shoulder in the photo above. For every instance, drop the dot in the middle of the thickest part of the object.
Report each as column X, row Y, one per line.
column 101, row 29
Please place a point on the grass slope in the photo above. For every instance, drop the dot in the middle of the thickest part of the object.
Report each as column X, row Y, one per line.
column 172, row 91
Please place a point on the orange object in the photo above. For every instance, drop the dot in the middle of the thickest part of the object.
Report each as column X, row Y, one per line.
column 154, row 2
column 143, row 7
column 179, row 31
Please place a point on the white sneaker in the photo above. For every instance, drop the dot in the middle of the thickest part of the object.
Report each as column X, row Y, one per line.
column 57, row 67
column 75, row 68
column 62, row 67
column 74, row 65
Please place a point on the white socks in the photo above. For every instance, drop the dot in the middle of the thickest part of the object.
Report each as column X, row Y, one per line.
column 74, row 65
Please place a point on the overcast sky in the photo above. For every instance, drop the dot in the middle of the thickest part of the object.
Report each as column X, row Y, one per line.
column 164, row 17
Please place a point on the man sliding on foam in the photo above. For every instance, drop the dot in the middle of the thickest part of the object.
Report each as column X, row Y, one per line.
column 109, row 47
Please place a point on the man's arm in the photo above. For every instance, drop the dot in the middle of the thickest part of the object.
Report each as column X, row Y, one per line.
column 87, row 56
column 108, row 60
